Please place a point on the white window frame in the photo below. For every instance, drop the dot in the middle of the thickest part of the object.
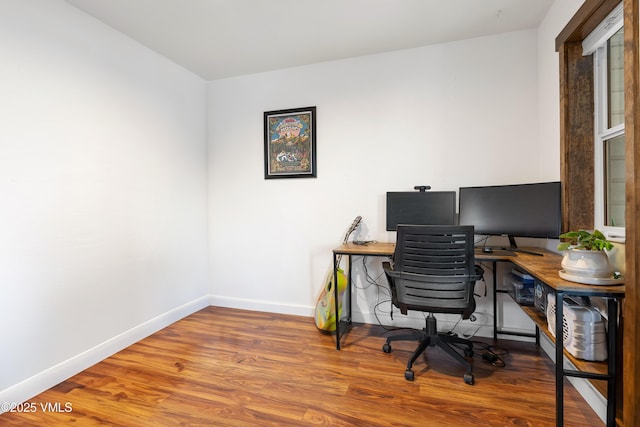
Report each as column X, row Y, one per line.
column 595, row 43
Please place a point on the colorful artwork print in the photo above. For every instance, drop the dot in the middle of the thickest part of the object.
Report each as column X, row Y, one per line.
column 290, row 143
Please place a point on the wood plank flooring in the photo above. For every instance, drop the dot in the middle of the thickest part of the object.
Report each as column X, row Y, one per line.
column 228, row 367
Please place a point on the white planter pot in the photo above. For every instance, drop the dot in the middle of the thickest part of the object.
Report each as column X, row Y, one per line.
column 577, row 262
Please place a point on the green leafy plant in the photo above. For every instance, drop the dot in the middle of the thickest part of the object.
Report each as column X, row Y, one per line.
column 585, row 240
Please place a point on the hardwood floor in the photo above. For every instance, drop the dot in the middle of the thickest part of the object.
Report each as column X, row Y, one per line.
column 228, row 367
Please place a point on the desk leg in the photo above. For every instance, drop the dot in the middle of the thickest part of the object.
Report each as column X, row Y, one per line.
column 348, row 290
column 559, row 360
column 335, row 299
column 612, row 356
column 495, row 301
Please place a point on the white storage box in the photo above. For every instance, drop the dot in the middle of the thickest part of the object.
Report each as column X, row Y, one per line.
column 584, row 333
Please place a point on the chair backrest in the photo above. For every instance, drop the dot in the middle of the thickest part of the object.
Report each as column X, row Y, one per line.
column 434, row 269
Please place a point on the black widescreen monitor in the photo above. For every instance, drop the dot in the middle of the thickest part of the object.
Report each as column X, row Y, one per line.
column 420, row 208
column 523, row 210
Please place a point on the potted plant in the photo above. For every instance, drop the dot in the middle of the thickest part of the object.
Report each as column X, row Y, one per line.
column 585, row 240
column 585, row 254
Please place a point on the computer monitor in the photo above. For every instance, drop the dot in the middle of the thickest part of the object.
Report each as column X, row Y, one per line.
column 523, row 210
column 420, row 208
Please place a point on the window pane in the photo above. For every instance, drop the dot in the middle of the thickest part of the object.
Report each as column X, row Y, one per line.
column 614, row 185
column 616, row 78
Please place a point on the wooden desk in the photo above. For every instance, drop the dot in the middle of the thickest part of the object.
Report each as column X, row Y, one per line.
column 384, row 249
column 544, row 268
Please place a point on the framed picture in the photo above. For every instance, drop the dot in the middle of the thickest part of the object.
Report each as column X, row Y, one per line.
column 290, row 143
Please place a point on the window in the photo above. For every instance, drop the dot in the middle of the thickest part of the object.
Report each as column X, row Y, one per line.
column 606, row 43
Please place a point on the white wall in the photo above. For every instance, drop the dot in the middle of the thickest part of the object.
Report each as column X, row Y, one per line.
column 449, row 115
column 549, row 77
column 103, row 220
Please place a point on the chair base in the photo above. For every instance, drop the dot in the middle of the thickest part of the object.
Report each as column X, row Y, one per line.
column 430, row 337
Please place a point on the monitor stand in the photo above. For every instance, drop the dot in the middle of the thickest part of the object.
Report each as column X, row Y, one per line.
column 514, row 247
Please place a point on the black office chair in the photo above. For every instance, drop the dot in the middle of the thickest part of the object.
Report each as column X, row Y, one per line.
column 434, row 271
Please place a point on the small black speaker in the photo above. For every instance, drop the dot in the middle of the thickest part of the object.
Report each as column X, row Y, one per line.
column 540, row 291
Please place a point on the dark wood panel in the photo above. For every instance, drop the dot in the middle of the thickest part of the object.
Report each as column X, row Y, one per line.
column 631, row 328
column 586, row 19
column 241, row 368
column 576, row 139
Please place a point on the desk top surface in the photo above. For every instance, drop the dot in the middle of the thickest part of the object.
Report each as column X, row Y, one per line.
column 544, row 268
column 373, row 248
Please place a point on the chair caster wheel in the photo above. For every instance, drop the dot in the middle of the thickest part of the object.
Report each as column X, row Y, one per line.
column 386, row 348
column 408, row 375
column 468, row 378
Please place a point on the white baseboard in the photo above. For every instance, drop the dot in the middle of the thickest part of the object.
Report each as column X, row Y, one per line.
column 50, row 377
column 259, row 305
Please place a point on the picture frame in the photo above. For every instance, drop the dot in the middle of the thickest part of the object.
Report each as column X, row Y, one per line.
column 290, row 143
